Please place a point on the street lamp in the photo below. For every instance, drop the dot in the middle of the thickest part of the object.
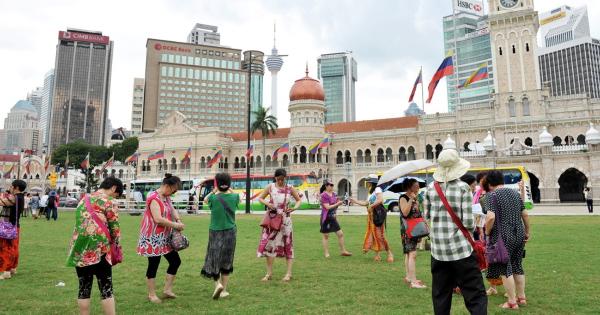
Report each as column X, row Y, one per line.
column 347, row 195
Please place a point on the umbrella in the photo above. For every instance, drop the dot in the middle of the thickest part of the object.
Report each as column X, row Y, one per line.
column 403, row 169
column 397, row 186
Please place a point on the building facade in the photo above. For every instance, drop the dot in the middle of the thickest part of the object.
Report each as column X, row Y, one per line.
column 81, row 88
column 467, row 35
column 47, row 94
column 569, row 57
column 204, row 34
column 21, row 129
column 206, row 83
column 137, row 106
column 339, row 74
column 36, row 98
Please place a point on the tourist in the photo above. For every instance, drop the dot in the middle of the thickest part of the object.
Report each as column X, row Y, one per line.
column 13, row 204
column 43, row 204
column 218, row 262
column 375, row 235
column 278, row 242
column 329, row 223
column 34, row 205
column 409, row 207
column 159, row 220
column 96, row 231
column 26, row 208
column 52, row 206
column 453, row 262
column 589, row 199
column 505, row 207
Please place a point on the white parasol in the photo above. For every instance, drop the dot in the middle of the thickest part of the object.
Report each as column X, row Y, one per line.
column 404, row 169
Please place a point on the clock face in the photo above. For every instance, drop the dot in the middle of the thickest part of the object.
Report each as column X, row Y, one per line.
column 508, row 4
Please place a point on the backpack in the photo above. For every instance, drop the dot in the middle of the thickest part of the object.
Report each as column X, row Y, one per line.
column 379, row 215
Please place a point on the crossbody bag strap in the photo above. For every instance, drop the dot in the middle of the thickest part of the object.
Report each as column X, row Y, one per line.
column 101, row 225
column 226, row 206
column 453, row 215
column 494, row 196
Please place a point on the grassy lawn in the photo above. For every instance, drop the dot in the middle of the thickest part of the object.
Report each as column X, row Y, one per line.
column 561, row 268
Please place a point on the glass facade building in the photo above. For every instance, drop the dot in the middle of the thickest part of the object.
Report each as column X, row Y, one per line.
column 339, row 74
column 257, row 70
column 81, row 88
column 48, row 92
column 137, row 106
column 468, row 37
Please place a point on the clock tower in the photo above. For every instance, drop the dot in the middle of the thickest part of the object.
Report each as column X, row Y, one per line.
column 513, row 29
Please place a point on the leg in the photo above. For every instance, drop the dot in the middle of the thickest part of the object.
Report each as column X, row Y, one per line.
column 54, row 213
column 153, row 263
column 325, row 242
column 48, row 214
column 520, row 286
column 288, row 274
column 509, row 286
column 441, row 287
column 411, row 266
column 86, row 278
column 104, row 277
column 269, row 274
column 341, row 243
column 174, row 263
column 471, row 285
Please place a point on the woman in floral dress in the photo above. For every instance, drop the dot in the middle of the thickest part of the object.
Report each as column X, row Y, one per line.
column 278, row 243
column 160, row 218
column 90, row 252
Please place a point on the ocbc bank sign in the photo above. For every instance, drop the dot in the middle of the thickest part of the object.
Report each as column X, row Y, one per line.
column 471, row 6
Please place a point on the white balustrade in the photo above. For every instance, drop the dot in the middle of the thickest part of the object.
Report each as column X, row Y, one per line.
column 569, row 149
column 472, row 154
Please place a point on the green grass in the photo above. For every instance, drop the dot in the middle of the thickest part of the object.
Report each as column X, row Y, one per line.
column 561, row 266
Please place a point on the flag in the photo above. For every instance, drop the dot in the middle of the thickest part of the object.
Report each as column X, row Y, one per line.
column 315, row 147
column 187, row 157
column 445, row 69
column 28, row 166
column 85, row 164
column 250, row 151
column 479, row 74
column 324, row 143
column 132, row 158
column 108, row 163
column 417, row 82
column 46, row 163
column 9, row 172
column 282, row 149
column 157, row 155
column 215, row 159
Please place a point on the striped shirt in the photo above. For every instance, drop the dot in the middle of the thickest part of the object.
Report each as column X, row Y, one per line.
column 447, row 241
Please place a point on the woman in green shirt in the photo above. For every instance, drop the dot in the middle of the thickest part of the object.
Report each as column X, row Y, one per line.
column 218, row 263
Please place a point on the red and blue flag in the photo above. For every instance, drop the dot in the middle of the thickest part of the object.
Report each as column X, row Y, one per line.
column 445, row 69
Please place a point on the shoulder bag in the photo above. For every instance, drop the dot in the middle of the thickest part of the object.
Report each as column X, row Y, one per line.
column 116, row 252
column 8, row 231
column 414, row 227
column 273, row 220
column 379, row 215
column 497, row 253
column 478, row 247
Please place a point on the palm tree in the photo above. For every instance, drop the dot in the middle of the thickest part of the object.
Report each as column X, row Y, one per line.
column 266, row 124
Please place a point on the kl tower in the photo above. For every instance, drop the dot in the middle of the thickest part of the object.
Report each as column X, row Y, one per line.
column 274, row 63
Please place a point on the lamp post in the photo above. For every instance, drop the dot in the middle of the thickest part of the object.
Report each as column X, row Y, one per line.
column 347, row 195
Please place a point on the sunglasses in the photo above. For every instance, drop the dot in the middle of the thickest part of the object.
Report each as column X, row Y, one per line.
column 330, row 184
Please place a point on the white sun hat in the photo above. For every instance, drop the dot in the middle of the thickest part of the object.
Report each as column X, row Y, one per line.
column 450, row 166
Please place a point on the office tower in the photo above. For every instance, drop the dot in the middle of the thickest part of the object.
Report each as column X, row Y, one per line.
column 254, row 59
column 137, row 108
column 203, row 34
column 81, row 88
column 204, row 82
column 338, row 73
column 21, row 130
column 36, row 97
column 47, row 94
column 569, row 57
column 466, row 34
column 274, row 63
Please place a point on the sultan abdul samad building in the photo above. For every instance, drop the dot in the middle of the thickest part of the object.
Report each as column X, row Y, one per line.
column 553, row 138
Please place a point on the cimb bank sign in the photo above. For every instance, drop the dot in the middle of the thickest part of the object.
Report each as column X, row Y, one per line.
column 470, row 6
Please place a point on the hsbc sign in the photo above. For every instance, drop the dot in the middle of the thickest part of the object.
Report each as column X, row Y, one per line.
column 470, row 6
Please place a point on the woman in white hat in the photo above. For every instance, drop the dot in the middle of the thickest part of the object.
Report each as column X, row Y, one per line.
column 375, row 235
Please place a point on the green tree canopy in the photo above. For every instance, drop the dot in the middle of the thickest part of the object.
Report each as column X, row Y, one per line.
column 98, row 154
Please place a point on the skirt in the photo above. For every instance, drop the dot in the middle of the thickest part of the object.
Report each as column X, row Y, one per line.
column 9, row 253
column 219, row 253
column 277, row 243
column 330, row 225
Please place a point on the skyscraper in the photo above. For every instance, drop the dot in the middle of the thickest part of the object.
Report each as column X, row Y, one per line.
column 274, row 63
column 254, row 59
column 468, row 36
column 204, row 34
column 81, row 88
column 204, row 82
column 47, row 95
column 21, row 129
column 36, row 97
column 137, row 108
column 568, row 56
column 338, row 72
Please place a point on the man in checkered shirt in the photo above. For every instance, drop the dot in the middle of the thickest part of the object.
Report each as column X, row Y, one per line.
column 453, row 262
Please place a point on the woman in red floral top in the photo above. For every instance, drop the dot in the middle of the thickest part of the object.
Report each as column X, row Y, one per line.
column 90, row 246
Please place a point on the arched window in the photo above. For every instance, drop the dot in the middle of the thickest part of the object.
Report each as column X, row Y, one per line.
column 528, row 142
column 347, row 157
column 143, row 166
column 557, row 141
column 389, row 155
column 429, row 152
column 285, row 161
column 512, row 110
column 295, row 153
column 173, row 163
column 402, row 154
column 148, row 168
column 438, row 150
column 243, row 162
column 258, row 161
column 339, row 158
column 380, row 156
column 368, row 158
column 165, row 164
column 104, row 174
column 202, row 162
column 226, row 164
column 268, row 161
column 312, row 157
column 319, row 154
column 466, row 146
column 113, row 172
column 581, row 139
column 236, row 162
column 526, row 111
column 302, row 154
column 359, row 156
column 160, row 165
column 514, row 49
column 500, row 50
column 411, row 154
column 569, row 140
column 120, row 173
column 527, row 47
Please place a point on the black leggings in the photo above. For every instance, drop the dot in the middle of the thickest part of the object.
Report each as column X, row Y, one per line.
column 103, row 273
column 153, row 262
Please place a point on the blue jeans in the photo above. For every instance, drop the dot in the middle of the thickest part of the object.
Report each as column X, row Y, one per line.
column 54, row 213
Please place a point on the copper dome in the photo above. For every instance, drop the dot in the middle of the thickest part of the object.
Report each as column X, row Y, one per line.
column 307, row 88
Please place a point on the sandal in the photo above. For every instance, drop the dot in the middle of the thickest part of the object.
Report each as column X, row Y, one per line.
column 217, row 293
column 154, row 299
column 346, row 254
column 390, row 259
column 377, row 258
column 509, row 306
column 287, row 278
column 522, row 301
column 491, row 291
column 417, row 285
column 169, row 295
column 266, row 278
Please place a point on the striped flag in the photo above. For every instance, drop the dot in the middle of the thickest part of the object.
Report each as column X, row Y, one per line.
column 215, row 159
column 250, row 150
column 8, row 173
column 282, row 149
column 132, row 158
column 157, row 155
column 85, row 164
column 108, row 163
column 187, row 157
column 479, row 74
column 46, row 163
column 445, row 69
column 417, row 82
column 324, row 143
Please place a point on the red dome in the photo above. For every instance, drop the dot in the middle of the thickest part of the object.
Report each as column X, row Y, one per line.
column 307, row 88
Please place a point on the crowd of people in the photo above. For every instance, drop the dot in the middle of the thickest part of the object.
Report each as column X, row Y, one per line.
column 457, row 207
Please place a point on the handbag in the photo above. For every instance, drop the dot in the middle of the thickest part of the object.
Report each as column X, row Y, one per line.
column 497, row 253
column 273, row 220
column 415, row 227
column 116, row 252
column 177, row 240
column 478, row 247
column 8, row 231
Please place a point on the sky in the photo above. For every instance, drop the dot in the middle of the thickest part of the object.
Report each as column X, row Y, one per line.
column 390, row 40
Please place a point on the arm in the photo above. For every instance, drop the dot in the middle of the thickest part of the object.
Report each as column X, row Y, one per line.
column 263, row 194
column 112, row 219
column 359, row 202
column 490, row 217
column 525, row 217
column 522, row 190
column 332, row 206
column 294, row 194
column 155, row 210
column 467, row 208
column 208, row 195
column 405, row 206
column 7, row 202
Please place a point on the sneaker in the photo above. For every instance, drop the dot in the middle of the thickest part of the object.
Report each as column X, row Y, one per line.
column 217, row 293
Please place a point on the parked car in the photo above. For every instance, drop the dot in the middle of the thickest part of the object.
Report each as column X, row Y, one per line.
column 68, row 202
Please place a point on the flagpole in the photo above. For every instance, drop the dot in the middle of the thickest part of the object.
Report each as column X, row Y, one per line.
column 422, row 93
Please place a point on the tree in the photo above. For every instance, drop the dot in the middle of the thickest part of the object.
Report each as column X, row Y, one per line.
column 77, row 151
column 266, row 124
column 124, row 149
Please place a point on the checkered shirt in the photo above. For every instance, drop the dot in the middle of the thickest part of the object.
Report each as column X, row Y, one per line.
column 447, row 241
